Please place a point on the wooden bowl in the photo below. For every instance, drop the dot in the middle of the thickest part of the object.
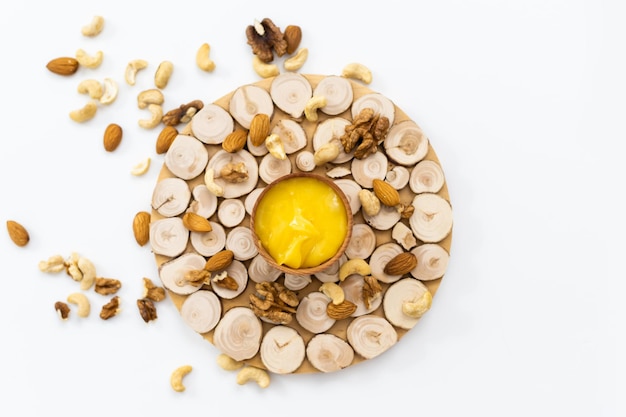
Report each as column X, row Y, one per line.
column 311, row 269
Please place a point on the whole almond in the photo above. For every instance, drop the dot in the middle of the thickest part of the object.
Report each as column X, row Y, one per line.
column 165, row 139
column 141, row 227
column 112, row 137
column 385, row 192
column 196, row 223
column 18, row 233
column 340, row 311
column 259, row 129
column 219, row 261
column 63, row 65
column 401, row 264
column 293, row 36
column 235, row 141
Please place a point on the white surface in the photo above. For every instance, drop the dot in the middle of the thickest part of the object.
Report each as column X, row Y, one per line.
column 524, row 105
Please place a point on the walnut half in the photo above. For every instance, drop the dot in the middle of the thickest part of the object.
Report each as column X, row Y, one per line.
column 265, row 38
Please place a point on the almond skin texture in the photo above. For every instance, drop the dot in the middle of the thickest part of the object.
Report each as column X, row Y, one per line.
column 340, row 311
column 18, row 233
column 165, row 139
column 293, row 36
column 235, row 141
column 141, row 227
column 401, row 264
column 385, row 192
column 112, row 137
column 63, row 65
column 259, row 129
column 196, row 223
column 219, row 261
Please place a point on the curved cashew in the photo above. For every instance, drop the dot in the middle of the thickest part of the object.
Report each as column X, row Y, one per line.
column 94, row 27
column 176, row 379
column 275, row 146
column 53, row 264
column 88, row 270
column 211, row 184
column 132, row 68
column 297, row 61
column 142, row 167
column 334, row 292
column 202, row 58
column 87, row 112
column 251, row 373
column 110, row 91
column 310, row 109
column 151, row 96
column 91, row 87
column 262, row 69
column 163, row 74
column 227, row 363
column 369, row 202
column 417, row 308
column 89, row 61
column 354, row 266
column 326, row 153
column 81, row 300
column 357, row 72
column 156, row 114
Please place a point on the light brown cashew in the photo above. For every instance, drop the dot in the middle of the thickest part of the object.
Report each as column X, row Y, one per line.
column 262, row 69
column 156, row 113
column 227, row 363
column 251, row 373
column 91, row 87
column 94, row 27
column 358, row 72
column 151, row 96
column 85, row 113
column 202, row 58
column 89, row 61
column 110, row 91
column 176, row 379
column 334, row 292
column 80, row 300
column 88, row 269
column 296, row 62
column 310, row 109
column 132, row 68
column 163, row 74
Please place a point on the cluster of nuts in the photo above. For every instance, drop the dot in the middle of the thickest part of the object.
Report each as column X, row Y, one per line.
column 365, row 133
column 274, row 302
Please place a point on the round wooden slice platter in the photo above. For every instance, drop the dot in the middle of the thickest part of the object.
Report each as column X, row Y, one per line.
column 339, row 329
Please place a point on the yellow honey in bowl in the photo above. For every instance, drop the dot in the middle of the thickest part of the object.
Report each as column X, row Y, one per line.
column 301, row 222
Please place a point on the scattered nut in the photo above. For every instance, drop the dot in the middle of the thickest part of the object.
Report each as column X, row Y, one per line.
column 202, row 58
column 89, row 61
column 91, row 87
column 107, row 286
column 85, row 113
column 63, row 66
column 265, row 38
column 333, row 291
column 235, row 141
column 227, row 363
column 176, row 379
column 110, row 309
column 293, row 36
column 210, row 183
column 182, row 114
column 252, row 373
column 310, row 109
column 82, row 302
column 220, row 261
column 141, row 227
column 275, row 146
column 369, row 202
column 94, row 27
column 385, row 192
column 18, row 233
column 357, row 72
column 112, row 137
column 62, row 309
column 297, row 61
column 419, row 307
column 88, row 271
column 147, row 310
column 142, row 167
column 196, row 223
column 340, row 311
column 259, row 128
column 132, row 68
column 264, row 69
column 163, row 74
column 401, row 264
column 156, row 113
column 110, row 91
column 53, row 264
column 152, row 292
column 150, row 96
column 326, row 153
column 165, row 139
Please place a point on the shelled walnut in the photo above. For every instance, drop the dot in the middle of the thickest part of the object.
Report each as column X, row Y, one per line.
column 365, row 133
column 274, row 302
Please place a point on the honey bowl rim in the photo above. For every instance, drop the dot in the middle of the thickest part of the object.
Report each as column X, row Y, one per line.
column 324, row 265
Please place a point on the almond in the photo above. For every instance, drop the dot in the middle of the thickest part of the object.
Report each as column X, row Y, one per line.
column 385, row 192
column 141, row 227
column 112, row 137
column 401, row 264
column 293, row 36
column 196, row 223
column 165, row 139
column 340, row 311
column 219, row 261
column 63, row 65
column 18, row 233
column 259, row 128
column 235, row 141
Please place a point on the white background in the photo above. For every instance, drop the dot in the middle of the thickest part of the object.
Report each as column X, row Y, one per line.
column 524, row 103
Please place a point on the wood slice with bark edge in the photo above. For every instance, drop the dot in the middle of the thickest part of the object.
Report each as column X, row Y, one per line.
column 339, row 329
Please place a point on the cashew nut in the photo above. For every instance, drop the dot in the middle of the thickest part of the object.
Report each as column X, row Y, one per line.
column 132, row 68
column 151, row 96
column 141, row 168
column 251, row 373
column 110, row 91
column 369, row 202
column 202, row 58
column 334, row 292
column 227, row 363
column 87, row 112
column 296, row 62
column 326, row 153
column 417, row 308
column 176, row 379
column 88, row 270
column 357, row 72
column 163, row 74
column 275, row 146
column 81, row 300
column 89, row 61
column 211, row 184
column 53, row 264
column 91, row 87
column 94, row 27
column 354, row 266
column 156, row 114
column 263, row 69
column 310, row 109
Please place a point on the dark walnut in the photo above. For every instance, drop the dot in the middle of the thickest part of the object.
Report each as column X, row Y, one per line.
column 182, row 114
column 365, row 133
column 107, row 286
column 110, row 309
column 266, row 38
column 274, row 302
column 147, row 310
